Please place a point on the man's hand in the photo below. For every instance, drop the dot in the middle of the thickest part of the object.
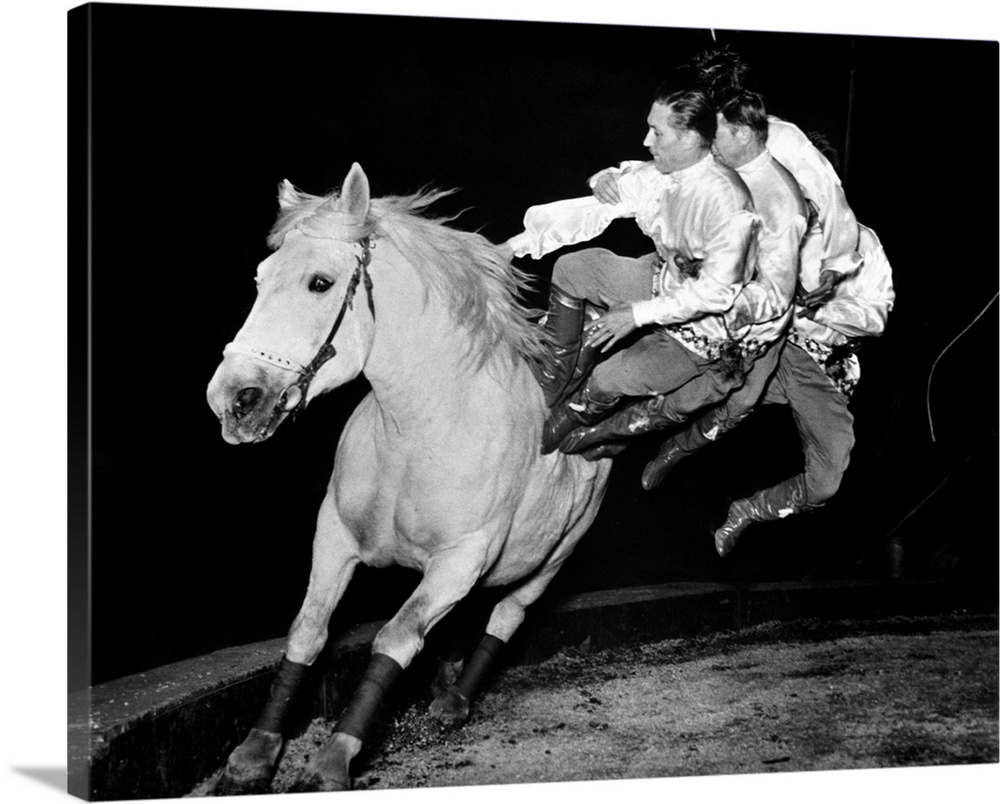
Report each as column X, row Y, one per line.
column 813, row 300
column 739, row 318
column 611, row 327
column 606, row 189
column 506, row 251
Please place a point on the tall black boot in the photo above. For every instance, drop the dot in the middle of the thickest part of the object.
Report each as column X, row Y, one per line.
column 777, row 502
column 630, row 421
column 564, row 325
column 586, row 407
column 677, row 447
column 586, row 359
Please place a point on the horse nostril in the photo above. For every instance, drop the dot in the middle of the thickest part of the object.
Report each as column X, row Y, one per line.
column 246, row 400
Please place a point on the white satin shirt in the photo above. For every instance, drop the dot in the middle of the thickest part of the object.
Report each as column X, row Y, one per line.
column 703, row 212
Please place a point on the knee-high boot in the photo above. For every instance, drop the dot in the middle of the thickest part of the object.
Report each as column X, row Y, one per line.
column 586, row 358
column 586, row 407
column 633, row 420
column 564, row 325
column 777, row 502
column 677, row 447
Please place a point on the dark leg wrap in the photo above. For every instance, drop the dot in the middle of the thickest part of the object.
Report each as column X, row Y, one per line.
column 382, row 671
column 283, row 691
column 477, row 666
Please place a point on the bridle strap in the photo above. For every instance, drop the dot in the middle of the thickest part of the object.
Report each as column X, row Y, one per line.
column 263, row 355
column 327, row 350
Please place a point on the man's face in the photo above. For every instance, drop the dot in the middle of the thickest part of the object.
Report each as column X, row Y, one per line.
column 672, row 148
column 729, row 146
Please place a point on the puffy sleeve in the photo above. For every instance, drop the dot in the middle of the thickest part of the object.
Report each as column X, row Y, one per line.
column 548, row 227
column 625, row 167
column 723, row 272
column 863, row 301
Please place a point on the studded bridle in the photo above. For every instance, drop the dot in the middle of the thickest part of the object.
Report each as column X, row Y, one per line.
column 326, row 351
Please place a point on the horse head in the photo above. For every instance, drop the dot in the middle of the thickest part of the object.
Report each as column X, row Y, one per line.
column 306, row 333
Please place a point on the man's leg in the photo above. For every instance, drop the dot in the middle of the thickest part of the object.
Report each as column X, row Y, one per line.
column 597, row 276
column 603, row 278
column 656, row 362
column 651, row 413
column 826, row 428
column 715, row 422
column 825, row 424
column 777, row 502
column 564, row 326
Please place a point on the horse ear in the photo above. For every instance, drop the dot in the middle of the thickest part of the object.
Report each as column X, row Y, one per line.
column 355, row 198
column 287, row 194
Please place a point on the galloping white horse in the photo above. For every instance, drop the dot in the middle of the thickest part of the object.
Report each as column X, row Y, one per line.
column 438, row 468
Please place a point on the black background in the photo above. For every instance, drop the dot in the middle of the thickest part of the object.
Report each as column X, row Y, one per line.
column 196, row 115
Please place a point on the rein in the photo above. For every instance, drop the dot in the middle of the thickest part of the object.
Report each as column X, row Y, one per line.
column 326, row 351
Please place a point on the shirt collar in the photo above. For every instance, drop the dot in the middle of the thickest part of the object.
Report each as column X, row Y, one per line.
column 682, row 175
column 756, row 163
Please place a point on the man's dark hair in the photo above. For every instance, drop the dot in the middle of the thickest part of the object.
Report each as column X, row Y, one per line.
column 721, row 72
column 691, row 105
column 746, row 108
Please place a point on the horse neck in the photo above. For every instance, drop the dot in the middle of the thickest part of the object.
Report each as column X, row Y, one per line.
column 420, row 363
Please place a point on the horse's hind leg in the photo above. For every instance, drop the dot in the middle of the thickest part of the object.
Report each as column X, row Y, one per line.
column 451, row 708
column 451, row 641
column 252, row 764
column 447, row 579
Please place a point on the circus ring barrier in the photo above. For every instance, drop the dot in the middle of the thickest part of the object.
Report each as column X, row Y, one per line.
column 156, row 734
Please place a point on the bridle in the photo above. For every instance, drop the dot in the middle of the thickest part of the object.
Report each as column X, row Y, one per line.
column 327, row 350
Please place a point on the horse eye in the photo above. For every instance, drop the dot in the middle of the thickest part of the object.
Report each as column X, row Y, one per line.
column 320, row 284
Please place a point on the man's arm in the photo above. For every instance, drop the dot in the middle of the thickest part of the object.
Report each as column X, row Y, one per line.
column 604, row 183
column 839, row 232
column 548, row 227
column 769, row 296
column 863, row 301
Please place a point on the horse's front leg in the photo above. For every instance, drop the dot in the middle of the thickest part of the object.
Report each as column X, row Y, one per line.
column 251, row 765
column 447, row 579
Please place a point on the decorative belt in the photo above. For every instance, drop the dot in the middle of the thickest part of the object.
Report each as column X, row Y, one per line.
column 839, row 363
column 715, row 348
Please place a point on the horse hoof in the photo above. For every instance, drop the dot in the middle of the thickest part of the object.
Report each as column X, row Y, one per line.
column 447, row 674
column 316, row 783
column 450, row 709
column 230, row 786
column 251, row 765
column 330, row 768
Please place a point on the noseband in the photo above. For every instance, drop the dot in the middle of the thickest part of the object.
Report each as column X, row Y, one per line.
column 327, row 350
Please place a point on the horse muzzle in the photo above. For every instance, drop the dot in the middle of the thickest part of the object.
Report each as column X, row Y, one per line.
column 250, row 405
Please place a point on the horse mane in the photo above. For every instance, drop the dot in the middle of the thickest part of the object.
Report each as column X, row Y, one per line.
column 484, row 293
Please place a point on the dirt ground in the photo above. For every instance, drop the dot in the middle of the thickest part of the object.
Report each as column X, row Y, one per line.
column 781, row 697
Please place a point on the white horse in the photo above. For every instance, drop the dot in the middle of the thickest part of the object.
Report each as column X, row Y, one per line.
column 439, row 467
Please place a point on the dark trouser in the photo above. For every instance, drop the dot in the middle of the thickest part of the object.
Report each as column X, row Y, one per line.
column 826, row 429
column 732, row 410
column 825, row 425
